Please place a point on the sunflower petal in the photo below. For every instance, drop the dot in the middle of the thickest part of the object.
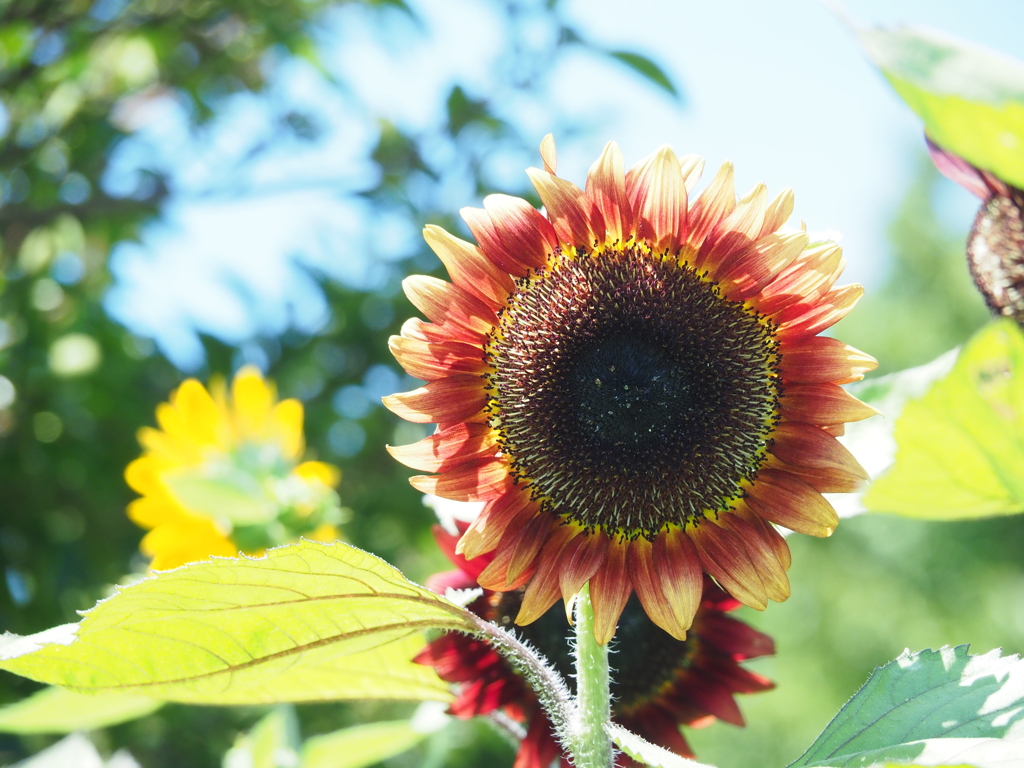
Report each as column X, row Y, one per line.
column 436, row 360
column 469, row 268
column 574, row 216
column 822, row 404
column 782, row 498
column 448, row 305
column 511, row 233
column 547, row 153
column 451, row 399
column 510, row 510
column 448, row 448
column 606, row 186
column 543, row 590
column 479, row 480
column 727, row 560
column 610, row 588
column 658, row 194
column 581, row 558
column 821, row 360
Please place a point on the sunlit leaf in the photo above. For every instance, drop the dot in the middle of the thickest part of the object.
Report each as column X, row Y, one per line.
column 970, row 98
column 946, row 695
column 647, row 68
column 644, row 752
column 306, row 622
column 960, row 448
column 360, row 745
column 58, row 710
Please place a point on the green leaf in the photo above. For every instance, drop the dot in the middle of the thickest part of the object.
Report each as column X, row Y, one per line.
column 940, row 753
column 306, row 622
column 946, row 695
column 644, row 752
column 960, row 448
column 58, row 710
column 361, row 745
column 971, row 99
column 648, row 69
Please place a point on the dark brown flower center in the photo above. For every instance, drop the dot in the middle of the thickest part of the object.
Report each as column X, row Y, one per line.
column 644, row 657
column 629, row 393
column 995, row 252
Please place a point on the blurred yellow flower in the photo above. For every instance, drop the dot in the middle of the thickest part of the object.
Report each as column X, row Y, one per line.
column 223, row 473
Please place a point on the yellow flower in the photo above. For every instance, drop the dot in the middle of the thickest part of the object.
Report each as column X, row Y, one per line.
column 223, row 473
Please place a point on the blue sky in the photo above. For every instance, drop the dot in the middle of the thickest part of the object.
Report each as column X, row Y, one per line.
column 779, row 88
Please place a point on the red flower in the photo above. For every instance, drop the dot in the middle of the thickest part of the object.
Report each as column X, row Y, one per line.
column 658, row 681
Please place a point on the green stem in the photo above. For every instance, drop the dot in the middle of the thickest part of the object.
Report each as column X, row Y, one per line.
column 592, row 747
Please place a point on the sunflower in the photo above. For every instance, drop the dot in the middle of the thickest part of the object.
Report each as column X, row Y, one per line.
column 223, row 474
column 995, row 246
column 660, row 682
column 634, row 386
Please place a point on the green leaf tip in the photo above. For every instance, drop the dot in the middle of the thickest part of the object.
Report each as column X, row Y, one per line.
column 648, row 69
column 946, row 696
column 305, row 622
column 960, row 447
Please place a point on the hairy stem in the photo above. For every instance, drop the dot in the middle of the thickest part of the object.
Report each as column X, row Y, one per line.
column 546, row 682
column 593, row 745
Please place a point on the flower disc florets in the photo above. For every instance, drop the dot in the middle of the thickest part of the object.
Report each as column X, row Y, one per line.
column 635, row 387
column 609, row 399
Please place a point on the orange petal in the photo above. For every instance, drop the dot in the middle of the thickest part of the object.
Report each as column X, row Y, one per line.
column 762, row 555
column 756, row 264
column 542, row 591
column 574, row 216
column 512, row 233
column 525, row 543
column 467, row 316
column 469, row 268
column 610, row 589
column 782, row 498
column 448, row 448
column 581, row 558
column 677, row 567
column 822, row 404
column 748, row 215
column 806, row 446
column 820, row 359
column 547, row 153
column 832, row 308
column 606, row 186
column 436, row 360
column 803, row 281
column 726, row 558
column 510, row 510
column 480, row 480
column 821, row 479
column 714, row 204
column 692, row 167
column 494, row 576
column 454, row 398
column 778, row 213
column 775, row 540
column 647, row 584
column 658, row 195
